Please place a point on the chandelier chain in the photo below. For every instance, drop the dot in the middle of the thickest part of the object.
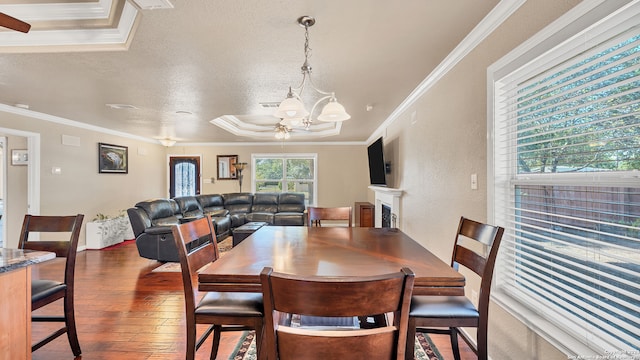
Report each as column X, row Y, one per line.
column 307, row 51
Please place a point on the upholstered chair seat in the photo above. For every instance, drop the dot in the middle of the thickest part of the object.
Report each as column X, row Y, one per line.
column 443, row 307
column 42, row 289
column 231, row 304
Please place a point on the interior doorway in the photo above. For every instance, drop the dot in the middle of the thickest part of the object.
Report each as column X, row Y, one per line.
column 18, row 198
column 3, row 189
column 184, row 176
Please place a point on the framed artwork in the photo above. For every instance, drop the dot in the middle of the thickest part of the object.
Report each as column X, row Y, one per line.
column 113, row 159
column 19, row 157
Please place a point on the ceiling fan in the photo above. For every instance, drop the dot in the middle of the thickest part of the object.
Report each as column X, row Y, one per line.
column 13, row 23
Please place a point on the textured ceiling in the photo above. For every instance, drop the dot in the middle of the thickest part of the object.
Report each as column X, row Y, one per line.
column 225, row 57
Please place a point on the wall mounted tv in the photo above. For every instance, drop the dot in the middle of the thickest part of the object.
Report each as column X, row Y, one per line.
column 376, row 164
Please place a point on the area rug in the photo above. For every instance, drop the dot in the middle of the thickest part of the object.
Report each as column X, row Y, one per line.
column 423, row 350
column 223, row 246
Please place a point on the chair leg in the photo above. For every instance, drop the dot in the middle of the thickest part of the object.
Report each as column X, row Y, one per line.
column 454, row 343
column 258, row 328
column 411, row 340
column 217, row 333
column 70, row 321
column 482, row 347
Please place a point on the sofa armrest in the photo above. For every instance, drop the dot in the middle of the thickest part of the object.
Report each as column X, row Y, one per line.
column 187, row 219
column 158, row 230
column 217, row 212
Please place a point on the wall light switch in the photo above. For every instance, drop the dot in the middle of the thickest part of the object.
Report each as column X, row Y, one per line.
column 474, row 181
column 56, row 171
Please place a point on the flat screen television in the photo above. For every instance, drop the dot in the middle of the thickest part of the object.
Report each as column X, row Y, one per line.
column 377, row 174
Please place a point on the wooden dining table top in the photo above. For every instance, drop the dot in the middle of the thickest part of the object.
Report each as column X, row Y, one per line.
column 329, row 251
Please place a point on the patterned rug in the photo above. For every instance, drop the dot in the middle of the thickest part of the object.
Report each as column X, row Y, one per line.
column 223, row 246
column 424, row 348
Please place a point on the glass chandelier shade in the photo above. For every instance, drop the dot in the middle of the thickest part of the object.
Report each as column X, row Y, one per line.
column 291, row 108
column 167, row 142
column 292, row 111
column 333, row 111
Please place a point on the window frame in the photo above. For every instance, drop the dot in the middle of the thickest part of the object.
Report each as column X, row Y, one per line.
column 586, row 24
column 284, row 157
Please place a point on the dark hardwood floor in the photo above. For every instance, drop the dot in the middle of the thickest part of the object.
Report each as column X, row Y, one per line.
column 124, row 311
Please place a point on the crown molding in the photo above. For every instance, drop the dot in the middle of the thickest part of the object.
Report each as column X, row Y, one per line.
column 238, row 127
column 62, row 121
column 117, row 38
column 278, row 143
column 99, row 9
column 489, row 23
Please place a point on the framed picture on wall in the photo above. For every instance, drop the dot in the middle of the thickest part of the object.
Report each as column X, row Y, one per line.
column 19, row 157
column 113, row 159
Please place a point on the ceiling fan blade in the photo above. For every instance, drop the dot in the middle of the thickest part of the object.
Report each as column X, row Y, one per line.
column 13, row 23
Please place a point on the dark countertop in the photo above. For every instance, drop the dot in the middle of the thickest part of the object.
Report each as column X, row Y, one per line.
column 11, row 259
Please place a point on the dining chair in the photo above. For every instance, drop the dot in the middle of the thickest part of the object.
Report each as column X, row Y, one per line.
column 287, row 296
column 431, row 314
column 223, row 311
column 316, row 214
column 44, row 291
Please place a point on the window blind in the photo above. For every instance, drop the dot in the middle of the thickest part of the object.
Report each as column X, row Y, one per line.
column 567, row 188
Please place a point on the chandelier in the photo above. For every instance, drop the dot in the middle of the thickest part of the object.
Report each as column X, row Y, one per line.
column 292, row 111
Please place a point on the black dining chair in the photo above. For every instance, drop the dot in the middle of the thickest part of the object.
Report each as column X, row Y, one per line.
column 430, row 314
column 45, row 292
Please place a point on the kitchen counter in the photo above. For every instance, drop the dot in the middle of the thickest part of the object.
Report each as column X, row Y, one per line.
column 11, row 259
column 15, row 300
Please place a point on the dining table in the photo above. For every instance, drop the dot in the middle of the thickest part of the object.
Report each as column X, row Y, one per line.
column 329, row 251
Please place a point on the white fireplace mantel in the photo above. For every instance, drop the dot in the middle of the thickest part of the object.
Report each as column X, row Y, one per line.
column 390, row 197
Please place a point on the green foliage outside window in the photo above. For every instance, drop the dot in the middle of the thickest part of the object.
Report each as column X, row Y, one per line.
column 585, row 117
column 285, row 174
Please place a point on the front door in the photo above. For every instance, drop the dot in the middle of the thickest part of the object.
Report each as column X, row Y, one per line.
column 184, row 176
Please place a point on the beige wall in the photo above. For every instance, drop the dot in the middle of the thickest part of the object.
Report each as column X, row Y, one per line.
column 440, row 141
column 80, row 188
column 343, row 172
column 16, row 196
column 342, row 169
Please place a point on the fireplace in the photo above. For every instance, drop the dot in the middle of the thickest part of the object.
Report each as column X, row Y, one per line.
column 386, row 216
column 388, row 198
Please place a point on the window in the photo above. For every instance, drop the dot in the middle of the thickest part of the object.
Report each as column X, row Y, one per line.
column 286, row 173
column 566, row 181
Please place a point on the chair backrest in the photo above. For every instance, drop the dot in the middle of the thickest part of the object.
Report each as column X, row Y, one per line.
column 316, row 214
column 490, row 237
column 197, row 256
column 63, row 248
column 336, row 297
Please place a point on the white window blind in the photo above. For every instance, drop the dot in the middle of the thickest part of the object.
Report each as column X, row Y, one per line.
column 567, row 187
